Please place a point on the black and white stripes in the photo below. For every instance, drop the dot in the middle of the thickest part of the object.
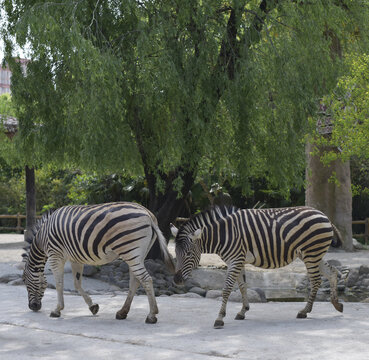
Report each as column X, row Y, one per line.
column 266, row 238
column 95, row 235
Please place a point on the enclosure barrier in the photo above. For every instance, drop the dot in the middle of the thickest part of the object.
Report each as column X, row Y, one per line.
column 19, row 228
column 366, row 231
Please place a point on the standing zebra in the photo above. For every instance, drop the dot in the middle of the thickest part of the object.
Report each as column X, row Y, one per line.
column 95, row 235
column 266, row 238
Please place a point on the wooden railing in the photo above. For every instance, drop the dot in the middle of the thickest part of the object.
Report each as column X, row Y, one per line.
column 19, row 228
column 365, row 235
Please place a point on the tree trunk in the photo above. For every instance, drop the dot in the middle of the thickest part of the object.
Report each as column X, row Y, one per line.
column 30, row 197
column 168, row 207
column 334, row 199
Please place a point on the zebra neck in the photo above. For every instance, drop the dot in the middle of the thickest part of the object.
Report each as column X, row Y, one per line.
column 37, row 257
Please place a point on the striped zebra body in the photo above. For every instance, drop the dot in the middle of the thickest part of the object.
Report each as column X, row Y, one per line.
column 95, row 235
column 266, row 238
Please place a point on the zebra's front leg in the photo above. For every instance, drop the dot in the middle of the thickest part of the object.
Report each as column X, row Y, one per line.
column 57, row 267
column 232, row 275
column 133, row 285
column 243, row 289
column 315, row 280
column 77, row 270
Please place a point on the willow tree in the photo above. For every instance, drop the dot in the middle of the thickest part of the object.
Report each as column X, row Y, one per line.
column 176, row 89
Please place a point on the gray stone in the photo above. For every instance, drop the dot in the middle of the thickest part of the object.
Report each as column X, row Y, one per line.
column 16, row 282
column 213, row 294
column 89, row 270
column 124, row 267
column 364, row 269
column 352, row 278
column 188, row 295
column 334, row 263
column 198, row 290
column 9, row 277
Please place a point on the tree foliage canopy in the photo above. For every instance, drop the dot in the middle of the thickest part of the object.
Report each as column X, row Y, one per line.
column 176, row 89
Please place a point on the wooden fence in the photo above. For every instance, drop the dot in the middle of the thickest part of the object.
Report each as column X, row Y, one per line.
column 18, row 220
column 365, row 235
column 19, row 228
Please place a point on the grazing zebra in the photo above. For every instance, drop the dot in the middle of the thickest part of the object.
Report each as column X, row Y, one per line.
column 95, row 235
column 266, row 238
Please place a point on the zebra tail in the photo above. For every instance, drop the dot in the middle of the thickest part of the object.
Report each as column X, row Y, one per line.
column 339, row 237
column 168, row 259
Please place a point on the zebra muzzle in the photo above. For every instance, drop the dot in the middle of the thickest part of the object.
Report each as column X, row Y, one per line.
column 178, row 279
column 34, row 306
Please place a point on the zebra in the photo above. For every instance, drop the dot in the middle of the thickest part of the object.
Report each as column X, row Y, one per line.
column 266, row 238
column 94, row 235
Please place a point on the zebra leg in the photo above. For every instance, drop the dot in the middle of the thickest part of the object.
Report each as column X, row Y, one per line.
column 133, row 285
column 243, row 289
column 330, row 273
column 57, row 267
column 77, row 270
column 232, row 275
column 315, row 280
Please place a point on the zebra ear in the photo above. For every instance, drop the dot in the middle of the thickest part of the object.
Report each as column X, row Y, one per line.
column 196, row 235
column 174, row 230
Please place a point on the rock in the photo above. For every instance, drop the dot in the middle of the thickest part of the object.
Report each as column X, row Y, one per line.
column 260, row 292
column 9, row 277
column 352, row 278
column 364, row 269
column 334, row 263
column 213, row 294
column 124, row 267
column 152, row 266
column 209, row 278
column 16, row 282
column 188, row 295
column 198, row 290
column 358, row 245
column 89, row 270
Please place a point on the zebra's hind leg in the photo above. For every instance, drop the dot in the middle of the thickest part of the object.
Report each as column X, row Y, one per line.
column 243, row 289
column 315, row 280
column 330, row 272
column 77, row 270
column 232, row 275
column 133, row 285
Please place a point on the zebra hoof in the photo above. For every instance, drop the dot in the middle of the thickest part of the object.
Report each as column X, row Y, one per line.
column 301, row 315
column 338, row 306
column 94, row 308
column 120, row 316
column 151, row 320
column 55, row 314
column 240, row 317
column 218, row 324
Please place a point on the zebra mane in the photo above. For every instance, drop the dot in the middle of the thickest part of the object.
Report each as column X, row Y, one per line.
column 32, row 232
column 214, row 213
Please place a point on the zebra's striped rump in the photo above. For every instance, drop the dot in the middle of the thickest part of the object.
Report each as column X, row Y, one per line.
column 266, row 238
column 95, row 235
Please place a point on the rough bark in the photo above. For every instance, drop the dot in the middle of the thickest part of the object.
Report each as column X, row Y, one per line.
column 334, row 199
column 30, row 197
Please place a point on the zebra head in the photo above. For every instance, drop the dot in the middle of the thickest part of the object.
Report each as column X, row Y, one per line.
column 36, row 284
column 35, row 260
column 188, row 252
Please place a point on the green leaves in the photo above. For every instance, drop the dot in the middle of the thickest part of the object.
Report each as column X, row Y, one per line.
column 167, row 88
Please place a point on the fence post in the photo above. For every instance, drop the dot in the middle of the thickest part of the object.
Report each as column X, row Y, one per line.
column 366, row 234
column 19, row 224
